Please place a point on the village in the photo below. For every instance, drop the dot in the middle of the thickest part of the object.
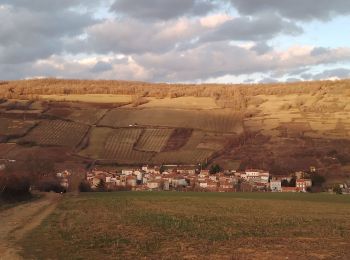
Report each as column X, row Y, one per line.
column 189, row 178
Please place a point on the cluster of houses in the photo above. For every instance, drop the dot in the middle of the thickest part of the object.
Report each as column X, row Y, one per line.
column 188, row 178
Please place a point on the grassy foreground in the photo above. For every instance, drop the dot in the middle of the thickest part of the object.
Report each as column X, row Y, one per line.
column 135, row 225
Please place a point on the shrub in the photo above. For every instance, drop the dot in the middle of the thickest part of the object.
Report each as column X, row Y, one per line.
column 214, row 169
column 14, row 186
column 84, row 186
column 50, row 184
column 337, row 190
column 317, row 180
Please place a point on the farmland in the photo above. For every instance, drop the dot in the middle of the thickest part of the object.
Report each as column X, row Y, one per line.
column 153, row 140
column 194, row 225
column 281, row 127
column 119, row 147
column 115, row 145
column 15, row 127
column 6, row 148
column 205, row 103
column 137, row 145
column 212, row 120
column 88, row 116
column 182, row 157
column 56, row 132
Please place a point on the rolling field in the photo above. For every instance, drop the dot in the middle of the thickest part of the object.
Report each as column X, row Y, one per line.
column 57, row 133
column 153, row 140
column 194, row 226
column 212, row 120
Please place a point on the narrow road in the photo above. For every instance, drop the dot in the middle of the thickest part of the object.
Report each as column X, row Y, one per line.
column 16, row 222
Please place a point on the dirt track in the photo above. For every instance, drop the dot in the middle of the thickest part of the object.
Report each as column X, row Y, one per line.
column 18, row 221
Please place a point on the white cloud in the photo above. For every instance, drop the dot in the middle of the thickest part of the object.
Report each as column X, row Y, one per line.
column 212, row 21
column 166, row 40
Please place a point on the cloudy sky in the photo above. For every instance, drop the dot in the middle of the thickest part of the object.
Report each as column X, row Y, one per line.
column 230, row 41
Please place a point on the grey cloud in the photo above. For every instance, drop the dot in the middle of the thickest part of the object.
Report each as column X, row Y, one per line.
column 261, row 48
column 252, row 29
column 58, row 67
column 218, row 59
column 268, row 80
column 337, row 73
column 27, row 35
column 298, row 71
column 101, row 66
column 295, row 9
column 161, row 9
column 135, row 37
column 317, row 51
column 249, row 81
column 132, row 36
column 51, row 5
column 293, row 79
column 306, row 76
column 194, row 64
column 204, row 62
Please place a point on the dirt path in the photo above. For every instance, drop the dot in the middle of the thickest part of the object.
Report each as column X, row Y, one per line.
column 16, row 222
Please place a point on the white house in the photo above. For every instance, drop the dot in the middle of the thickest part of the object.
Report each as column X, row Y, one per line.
column 153, row 185
column 276, row 185
column 127, row 172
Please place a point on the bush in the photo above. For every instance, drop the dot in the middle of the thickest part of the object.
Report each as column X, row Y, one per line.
column 84, row 186
column 337, row 190
column 14, row 186
column 317, row 180
column 50, row 184
column 214, row 169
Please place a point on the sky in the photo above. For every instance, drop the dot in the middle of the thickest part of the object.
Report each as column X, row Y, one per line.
column 176, row 41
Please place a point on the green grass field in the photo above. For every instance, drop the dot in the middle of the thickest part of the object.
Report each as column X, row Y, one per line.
column 148, row 225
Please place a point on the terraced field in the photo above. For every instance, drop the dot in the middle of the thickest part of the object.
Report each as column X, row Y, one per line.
column 137, row 145
column 120, row 147
column 213, row 120
column 6, row 148
column 87, row 116
column 15, row 127
column 115, row 145
column 183, row 156
column 153, row 140
column 200, row 147
column 57, row 133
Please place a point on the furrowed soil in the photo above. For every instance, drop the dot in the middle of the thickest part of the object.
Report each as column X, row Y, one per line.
column 148, row 225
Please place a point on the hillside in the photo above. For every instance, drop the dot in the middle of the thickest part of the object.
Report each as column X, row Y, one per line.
column 278, row 127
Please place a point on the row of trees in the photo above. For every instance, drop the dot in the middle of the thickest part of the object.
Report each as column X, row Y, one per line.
column 17, row 181
column 235, row 96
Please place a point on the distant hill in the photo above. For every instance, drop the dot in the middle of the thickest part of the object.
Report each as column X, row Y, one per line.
column 278, row 127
